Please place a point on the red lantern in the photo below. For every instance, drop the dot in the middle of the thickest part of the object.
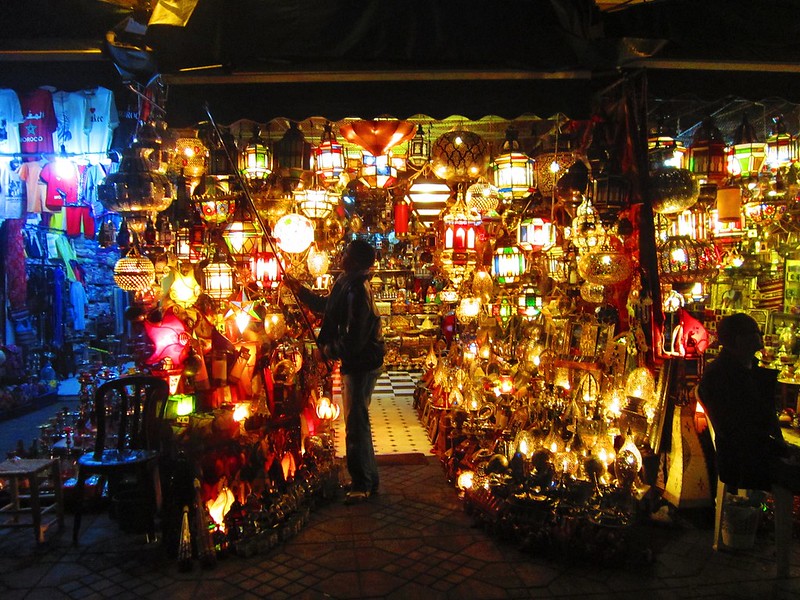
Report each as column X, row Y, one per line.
column 402, row 213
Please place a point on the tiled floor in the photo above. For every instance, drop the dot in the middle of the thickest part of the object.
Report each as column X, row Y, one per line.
column 413, row 541
column 395, row 426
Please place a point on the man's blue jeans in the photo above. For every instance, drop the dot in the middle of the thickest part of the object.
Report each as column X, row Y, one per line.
column 357, row 391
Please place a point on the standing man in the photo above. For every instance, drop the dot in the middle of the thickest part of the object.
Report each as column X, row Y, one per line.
column 351, row 332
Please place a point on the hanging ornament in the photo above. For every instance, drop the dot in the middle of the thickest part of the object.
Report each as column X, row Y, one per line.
column 170, row 338
column 317, row 262
column 460, row 155
column 242, row 310
column 294, row 233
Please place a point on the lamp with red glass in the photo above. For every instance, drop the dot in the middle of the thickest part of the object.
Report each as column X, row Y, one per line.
column 708, row 154
column 329, row 156
column 460, row 232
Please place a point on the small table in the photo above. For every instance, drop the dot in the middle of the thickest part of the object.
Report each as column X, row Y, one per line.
column 41, row 501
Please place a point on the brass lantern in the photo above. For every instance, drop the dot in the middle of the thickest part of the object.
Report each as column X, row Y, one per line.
column 707, row 154
column 214, row 201
column 747, row 154
column 315, row 203
column 329, row 156
column 134, row 273
column 683, row 260
column 460, row 233
column 459, row 155
column 218, row 277
column 782, row 146
column 242, row 234
column 255, row 160
column 483, row 197
column 428, row 194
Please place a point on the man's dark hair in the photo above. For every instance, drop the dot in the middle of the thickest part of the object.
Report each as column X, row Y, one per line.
column 732, row 325
column 359, row 255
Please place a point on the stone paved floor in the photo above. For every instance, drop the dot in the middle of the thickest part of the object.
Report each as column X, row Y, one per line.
column 412, row 541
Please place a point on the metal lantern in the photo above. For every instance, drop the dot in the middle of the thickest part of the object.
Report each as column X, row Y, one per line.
column 468, row 309
column 529, row 301
column 215, row 203
column 508, row 262
column 665, row 151
column 419, row 150
column 317, row 262
column 378, row 136
column 264, row 267
column 135, row 189
column 218, row 277
column 747, row 154
column 190, row 157
column 378, row 171
column 134, row 273
column 513, row 169
column 782, row 146
column 459, row 155
column 315, row 203
column 765, row 211
column 429, row 195
column 483, row 197
column 293, row 153
column 550, row 166
column 536, row 234
column 673, row 190
column 587, row 229
column 707, row 154
column 460, row 232
column 255, row 160
column 329, row 156
column 242, row 234
column 605, row 265
column 685, row 260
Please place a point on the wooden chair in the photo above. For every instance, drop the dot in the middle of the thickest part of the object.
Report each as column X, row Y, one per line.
column 128, row 412
column 783, row 503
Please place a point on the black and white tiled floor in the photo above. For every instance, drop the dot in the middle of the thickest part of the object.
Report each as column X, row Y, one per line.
column 395, row 426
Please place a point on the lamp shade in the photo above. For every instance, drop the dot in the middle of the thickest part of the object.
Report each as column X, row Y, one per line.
column 378, row 136
column 429, row 196
column 482, row 196
column 294, row 233
column 604, row 265
column 673, row 190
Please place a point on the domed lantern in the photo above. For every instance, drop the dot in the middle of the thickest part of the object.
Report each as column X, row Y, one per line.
column 683, row 260
column 294, row 233
column 428, row 194
column 483, row 197
column 242, row 234
column 605, row 265
column 673, row 190
column 459, row 155
column 134, row 273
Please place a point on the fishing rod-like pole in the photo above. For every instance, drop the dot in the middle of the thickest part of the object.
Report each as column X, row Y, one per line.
column 245, row 186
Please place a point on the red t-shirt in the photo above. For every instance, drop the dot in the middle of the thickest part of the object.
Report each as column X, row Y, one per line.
column 61, row 177
column 36, row 131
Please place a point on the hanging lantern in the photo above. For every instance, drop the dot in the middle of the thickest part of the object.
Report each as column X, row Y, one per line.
column 255, row 160
column 294, row 233
column 190, row 157
column 588, row 389
column 684, row 260
column 378, row 136
column 468, row 309
column 242, row 310
column 315, row 203
column 508, row 262
column 242, row 234
column 513, row 169
column 610, row 194
column 587, row 230
column 378, row 172
column 604, row 265
column 729, row 203
column 482, row 284
column 274, row 323
column 673, row 190
column 293, row 154
column 218, row 277
column 135, row 189
column 134, row 273
column 536, row 234
column 429, row 195
column 665, row 151
column 419, row 150
column 747, row 154
column 550, row 166
column 460, row 225
column 402, row 216
column 184, row 290
column 707, row 154
column 220, row 153
column 764, row 211
column 215, row 202
column 529, row 301
column 483, row 197
column 329, row 156
column 782, row 146
column 459, row 155
column 317, row 262
column 640, row 385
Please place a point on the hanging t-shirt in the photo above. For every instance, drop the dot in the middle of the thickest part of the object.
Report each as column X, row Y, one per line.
column 62, row 179
column 102, row 118
column 128, row 123
column 36, row 130
column 10, row 118
column 79, row 302
column 73, row 122
column 12, row 195
column 29, row 173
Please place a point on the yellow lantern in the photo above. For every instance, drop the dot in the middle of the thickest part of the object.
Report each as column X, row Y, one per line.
column 294, row 233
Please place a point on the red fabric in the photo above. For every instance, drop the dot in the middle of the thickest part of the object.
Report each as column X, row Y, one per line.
column 62, row 179
column 36, row 131
column 15, row 265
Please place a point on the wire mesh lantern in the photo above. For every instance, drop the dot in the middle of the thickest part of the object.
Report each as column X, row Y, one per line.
column 684, row 260
column 134, row 273
column 460, row 155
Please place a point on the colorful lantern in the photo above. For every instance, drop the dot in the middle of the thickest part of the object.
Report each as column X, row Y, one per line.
column 707, row 154
column 684, row 260
column 218, row 277
column 329, row 156
column 536, row 234
column 508, row 262
column 264, row 267
column 782, row 146
column 242, row 234
column 747, row 154
column 460, row 228
column 513, row 169
column 378, row 136
column 215, row 203
column 255, row 160
column 378, row 172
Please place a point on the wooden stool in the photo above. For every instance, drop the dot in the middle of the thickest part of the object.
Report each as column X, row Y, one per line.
column 40, row 502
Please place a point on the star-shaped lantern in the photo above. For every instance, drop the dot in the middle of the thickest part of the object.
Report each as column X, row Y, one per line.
column 170, row 338
column 242, row 309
